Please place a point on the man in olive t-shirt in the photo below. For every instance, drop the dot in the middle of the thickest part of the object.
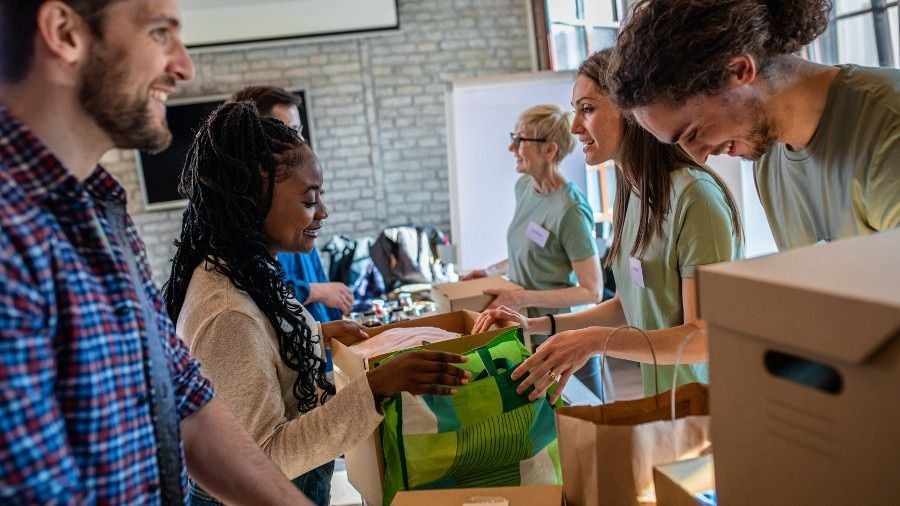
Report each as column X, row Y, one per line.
column 846, row 182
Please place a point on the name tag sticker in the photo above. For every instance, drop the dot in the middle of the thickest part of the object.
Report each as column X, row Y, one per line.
column 637, row 271
column 537, row 234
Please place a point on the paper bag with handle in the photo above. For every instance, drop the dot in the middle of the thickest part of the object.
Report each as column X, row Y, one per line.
column 608, row 452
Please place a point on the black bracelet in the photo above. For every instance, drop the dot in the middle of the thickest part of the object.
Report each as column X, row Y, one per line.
column 552, row 324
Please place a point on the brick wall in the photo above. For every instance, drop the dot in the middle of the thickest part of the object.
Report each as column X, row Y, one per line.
column 376, row 105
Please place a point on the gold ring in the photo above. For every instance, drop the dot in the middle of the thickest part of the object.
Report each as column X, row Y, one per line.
column 555, row 375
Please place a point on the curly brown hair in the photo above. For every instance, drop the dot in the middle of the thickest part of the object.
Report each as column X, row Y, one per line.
column 677, row 49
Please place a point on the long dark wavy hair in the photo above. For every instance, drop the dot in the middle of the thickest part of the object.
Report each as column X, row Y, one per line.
column 229, row 178
column 645, row 167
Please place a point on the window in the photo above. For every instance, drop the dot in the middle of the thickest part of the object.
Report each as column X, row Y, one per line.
column 572, row 29
column 862, row 32
column 567, row 31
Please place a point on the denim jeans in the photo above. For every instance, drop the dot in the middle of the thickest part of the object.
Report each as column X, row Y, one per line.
column 315, row 485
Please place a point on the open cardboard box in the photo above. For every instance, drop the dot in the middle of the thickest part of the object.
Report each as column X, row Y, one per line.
column 804, row 352
column 468, row 295
column 677, row 483
column 365, row 465
column 533, row 495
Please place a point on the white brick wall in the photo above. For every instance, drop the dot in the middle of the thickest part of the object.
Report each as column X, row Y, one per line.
column 376, row 106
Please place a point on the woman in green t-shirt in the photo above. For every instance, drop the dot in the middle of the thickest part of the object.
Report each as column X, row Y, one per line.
column 550, row 240
column 671, row 215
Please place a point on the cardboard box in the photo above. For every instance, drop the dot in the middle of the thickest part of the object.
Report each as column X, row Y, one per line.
column 468, row 295
column 677, row 483
column 805, row 374
column 365, row 465
column 536, row 495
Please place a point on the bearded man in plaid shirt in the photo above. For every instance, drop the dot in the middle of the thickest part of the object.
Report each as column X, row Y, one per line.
column 100, row 402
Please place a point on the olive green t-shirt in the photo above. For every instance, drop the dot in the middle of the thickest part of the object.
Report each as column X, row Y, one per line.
column 565, row 218
column 697, row 231
column 847, row 181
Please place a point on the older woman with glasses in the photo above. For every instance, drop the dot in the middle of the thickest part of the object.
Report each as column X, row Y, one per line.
column 550, row 242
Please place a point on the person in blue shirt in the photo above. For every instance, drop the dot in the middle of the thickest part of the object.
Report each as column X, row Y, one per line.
column 305, row 272
column 325, row 300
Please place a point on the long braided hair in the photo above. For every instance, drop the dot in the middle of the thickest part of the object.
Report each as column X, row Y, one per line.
column 229, row 179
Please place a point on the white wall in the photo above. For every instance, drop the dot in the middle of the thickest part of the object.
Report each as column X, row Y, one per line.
column 481, row 113
column 738, row 174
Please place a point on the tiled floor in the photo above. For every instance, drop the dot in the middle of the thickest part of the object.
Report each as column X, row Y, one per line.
column 628, row 384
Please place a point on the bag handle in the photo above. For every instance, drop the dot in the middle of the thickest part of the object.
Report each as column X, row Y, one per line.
column 652, row 352
column 492, row 365
column 684, row 342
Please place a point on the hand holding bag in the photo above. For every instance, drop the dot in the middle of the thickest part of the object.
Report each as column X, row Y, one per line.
column 486, row 435
column 608, row 451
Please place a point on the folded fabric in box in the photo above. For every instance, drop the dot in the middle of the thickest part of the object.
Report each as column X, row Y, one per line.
column 401, row 338
column 485, row 435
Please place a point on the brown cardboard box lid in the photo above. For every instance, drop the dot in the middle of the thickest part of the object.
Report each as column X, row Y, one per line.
column 460, row 322
column 839, row 300
column 474, row 287
column 534, row 495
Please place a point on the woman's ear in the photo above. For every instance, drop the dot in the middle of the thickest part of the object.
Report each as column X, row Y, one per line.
column 550, row 150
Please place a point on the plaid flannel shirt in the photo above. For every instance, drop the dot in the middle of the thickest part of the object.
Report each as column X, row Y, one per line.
column 75, row 421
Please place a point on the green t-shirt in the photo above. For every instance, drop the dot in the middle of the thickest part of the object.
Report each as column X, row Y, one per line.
column 565, row 218
column 698, row 231
column 847, row 181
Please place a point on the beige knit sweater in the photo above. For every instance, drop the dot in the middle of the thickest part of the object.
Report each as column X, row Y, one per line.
column 238, row 350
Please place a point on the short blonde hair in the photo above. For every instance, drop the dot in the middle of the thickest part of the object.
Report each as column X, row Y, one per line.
column 550, row 122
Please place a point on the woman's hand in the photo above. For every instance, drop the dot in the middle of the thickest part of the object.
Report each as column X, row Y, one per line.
column 500, row 316
column 477, row 273
column 556, row 360
column 418, row 372
column 342, row 328
column 512, row 299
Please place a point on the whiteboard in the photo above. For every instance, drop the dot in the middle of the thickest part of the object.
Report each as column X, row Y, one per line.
column 218, row 22
column 480, row 114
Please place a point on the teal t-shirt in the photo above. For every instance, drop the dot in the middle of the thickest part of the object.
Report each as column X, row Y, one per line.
column 566, row 219
column 847, row 180
column 698, row 231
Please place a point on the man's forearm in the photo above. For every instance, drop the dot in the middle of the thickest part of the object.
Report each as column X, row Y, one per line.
column 228, row 464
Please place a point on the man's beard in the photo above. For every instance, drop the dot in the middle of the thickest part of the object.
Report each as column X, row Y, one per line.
column 760, row 138
column 106, row 94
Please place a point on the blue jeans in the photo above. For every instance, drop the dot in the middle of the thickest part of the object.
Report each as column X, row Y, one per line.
column 315, row 485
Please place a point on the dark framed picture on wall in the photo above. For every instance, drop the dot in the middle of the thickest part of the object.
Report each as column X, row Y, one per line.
column 158, row 174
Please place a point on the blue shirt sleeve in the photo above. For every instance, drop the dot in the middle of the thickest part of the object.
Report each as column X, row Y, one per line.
column 303, row 269
column 292, row 265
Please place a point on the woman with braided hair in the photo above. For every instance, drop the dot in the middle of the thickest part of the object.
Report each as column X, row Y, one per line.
column 254, row 189
column 722, row 77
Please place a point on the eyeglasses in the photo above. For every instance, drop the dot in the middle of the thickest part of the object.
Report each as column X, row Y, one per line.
column 515, row 139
